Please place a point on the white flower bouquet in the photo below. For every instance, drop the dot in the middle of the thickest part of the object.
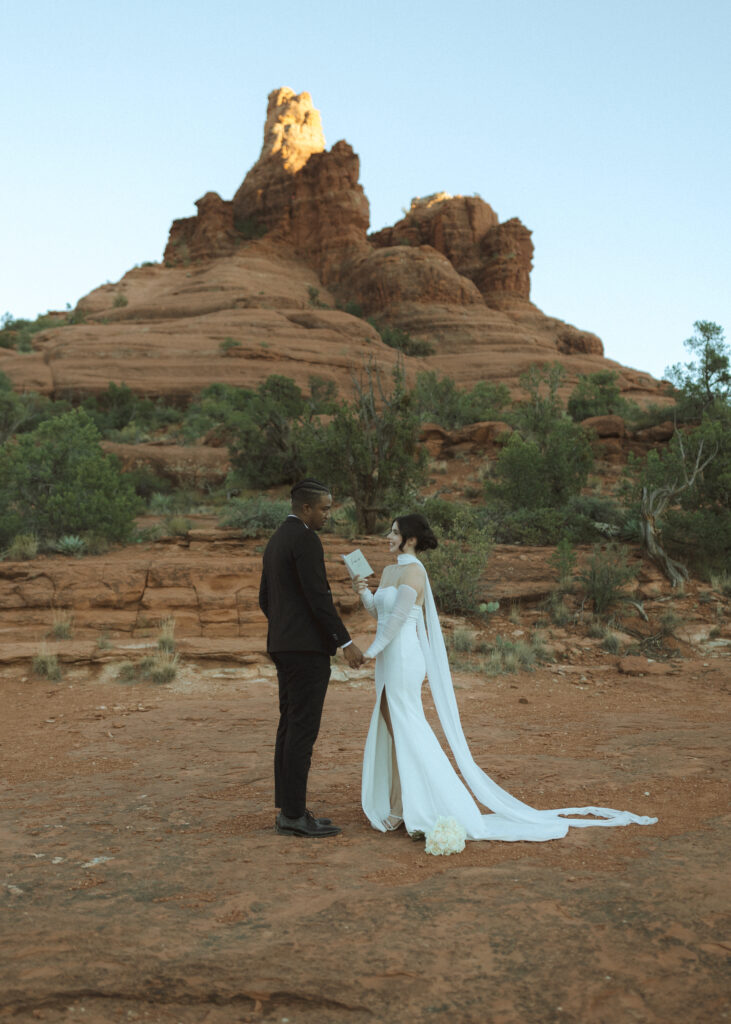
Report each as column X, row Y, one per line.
column 446, row 837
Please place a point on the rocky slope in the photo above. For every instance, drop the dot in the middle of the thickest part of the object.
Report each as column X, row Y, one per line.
column 249, row 287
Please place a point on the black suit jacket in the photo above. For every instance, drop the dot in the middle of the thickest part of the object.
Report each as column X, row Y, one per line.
column 294, row 593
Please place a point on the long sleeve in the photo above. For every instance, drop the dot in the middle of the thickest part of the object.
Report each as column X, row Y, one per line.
column 369, row 602
column 390, row 625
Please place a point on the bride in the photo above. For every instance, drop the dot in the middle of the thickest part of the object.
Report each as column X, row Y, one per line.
column 407, row 777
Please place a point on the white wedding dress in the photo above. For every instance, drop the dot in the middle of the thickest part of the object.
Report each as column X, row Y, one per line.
column 409, row 778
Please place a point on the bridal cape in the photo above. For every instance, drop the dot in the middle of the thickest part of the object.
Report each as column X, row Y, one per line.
column 410, row 778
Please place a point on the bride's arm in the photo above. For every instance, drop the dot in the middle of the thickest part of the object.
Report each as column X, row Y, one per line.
column 362, row 589
column 390, row 624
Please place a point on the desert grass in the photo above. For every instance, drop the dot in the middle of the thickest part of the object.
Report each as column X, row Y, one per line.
column 160, row 667
column 46, row 665
column 166, row 637
column 62, row 623
column 23, row 547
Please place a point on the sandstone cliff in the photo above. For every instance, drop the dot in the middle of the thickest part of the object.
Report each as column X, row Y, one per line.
column 251, row 286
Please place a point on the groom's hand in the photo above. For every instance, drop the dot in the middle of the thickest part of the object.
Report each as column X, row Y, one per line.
column 353, row 655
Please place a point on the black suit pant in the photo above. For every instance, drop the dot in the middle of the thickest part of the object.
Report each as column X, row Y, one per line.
column 303, row 677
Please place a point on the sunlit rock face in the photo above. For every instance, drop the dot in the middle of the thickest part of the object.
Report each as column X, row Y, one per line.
column 250, row 286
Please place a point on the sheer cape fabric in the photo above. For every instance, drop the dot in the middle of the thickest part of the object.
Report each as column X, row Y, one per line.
column 511, row 818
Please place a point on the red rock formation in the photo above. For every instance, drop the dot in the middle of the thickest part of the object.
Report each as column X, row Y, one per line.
column 300, row 193
column 448, row 273
column 210, row 233
column 507, row 260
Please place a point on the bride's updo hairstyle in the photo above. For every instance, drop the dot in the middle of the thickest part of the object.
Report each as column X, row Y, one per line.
column 416, row 525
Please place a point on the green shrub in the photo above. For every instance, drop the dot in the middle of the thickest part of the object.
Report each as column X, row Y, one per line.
column 394, row 337
column 369, row 450
column 18, row 334
column 439, row 400
column 267, row 431
column 118, row 409
column 456, row 567
column 177, row 526
column 683, row 512
column 227, row 344
column 706, row 383
column 563, row 560
column 148, row 483
column 556, row 607
column 353, row 308
column 254, row 516
column 23, row 412
column 56, row 480
column 543, row 473
column 596, row 394
column 120, row 300
column 605, row 578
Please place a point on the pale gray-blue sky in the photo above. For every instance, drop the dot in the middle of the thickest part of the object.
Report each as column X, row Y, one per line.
column 604, row 127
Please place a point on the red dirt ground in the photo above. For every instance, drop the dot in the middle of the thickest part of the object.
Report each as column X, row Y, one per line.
column 143, row 881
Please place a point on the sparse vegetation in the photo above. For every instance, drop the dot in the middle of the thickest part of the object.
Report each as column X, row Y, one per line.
column 120, row 300
column 604, row 579
column 46, row 665
column 176, row 526
column 394, row 337
column 23, row 548
column 439, row 400
column 254, row 516
column 596, row 394
column 166, row 637
column 463, row 640
column 456, row 567
column 314, row 297
column 61, row 625
column 161, row 667
column 669, row 622
column 514, row 655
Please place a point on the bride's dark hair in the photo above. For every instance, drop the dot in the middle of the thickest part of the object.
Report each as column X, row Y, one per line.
column 416, row 525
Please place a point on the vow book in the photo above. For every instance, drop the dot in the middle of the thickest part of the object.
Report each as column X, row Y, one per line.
column 357, row 564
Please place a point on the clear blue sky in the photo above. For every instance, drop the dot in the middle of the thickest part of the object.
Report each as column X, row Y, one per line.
column 604, row 126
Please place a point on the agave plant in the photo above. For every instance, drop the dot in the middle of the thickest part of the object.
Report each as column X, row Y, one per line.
column 70, row 544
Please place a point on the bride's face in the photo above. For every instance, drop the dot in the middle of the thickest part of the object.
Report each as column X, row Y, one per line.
column 394, row 539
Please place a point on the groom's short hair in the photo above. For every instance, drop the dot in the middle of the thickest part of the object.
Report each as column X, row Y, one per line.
column 308, row 492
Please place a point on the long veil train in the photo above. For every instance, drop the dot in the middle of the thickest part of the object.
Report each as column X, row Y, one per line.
column 528, row 823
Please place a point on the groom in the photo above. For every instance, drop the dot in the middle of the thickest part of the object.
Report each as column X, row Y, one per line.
column 304, row 630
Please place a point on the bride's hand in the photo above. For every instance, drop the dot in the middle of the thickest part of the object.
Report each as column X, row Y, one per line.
column 359, row 584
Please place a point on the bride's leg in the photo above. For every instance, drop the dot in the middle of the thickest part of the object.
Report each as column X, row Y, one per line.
column 397, row 810
column 385, row 712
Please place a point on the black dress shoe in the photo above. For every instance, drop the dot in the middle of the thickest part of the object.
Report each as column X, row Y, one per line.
column 320, row 821
column 304, row 826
